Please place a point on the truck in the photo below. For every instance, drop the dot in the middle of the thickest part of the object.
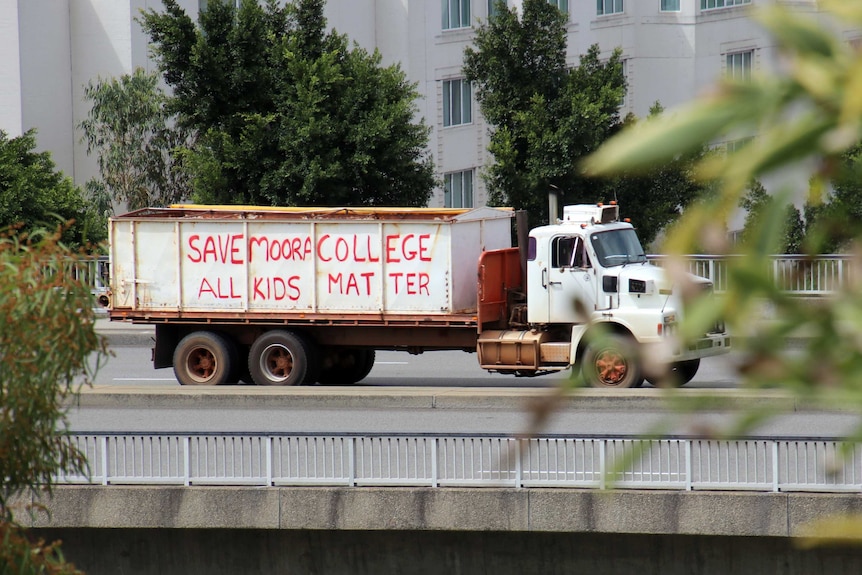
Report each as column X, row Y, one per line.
column 287, row 296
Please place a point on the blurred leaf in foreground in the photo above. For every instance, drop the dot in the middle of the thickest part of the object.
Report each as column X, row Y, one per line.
column 807, row 116
column 48, row 350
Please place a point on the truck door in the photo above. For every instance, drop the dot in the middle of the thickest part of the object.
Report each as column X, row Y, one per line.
column 571, row 279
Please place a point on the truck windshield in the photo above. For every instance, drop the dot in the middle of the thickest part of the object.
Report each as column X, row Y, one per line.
column 618, row 247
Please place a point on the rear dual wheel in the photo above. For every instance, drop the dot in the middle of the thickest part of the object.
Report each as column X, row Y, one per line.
column 346, row 366
column 281, row 358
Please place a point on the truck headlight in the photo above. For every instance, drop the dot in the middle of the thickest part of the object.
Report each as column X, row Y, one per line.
column 641, row 286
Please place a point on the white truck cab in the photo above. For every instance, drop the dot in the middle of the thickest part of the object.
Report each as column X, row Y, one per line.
column 590, row 270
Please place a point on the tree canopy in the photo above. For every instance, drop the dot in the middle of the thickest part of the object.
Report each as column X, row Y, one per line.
column 33, row 195
column 136, row 142
column 286, row 113
column 546, row 116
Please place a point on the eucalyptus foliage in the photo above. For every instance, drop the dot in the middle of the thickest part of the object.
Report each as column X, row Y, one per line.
column 287, row 113
column 33, row 194
column 134, row 137
column 809, row 114
column 48, row 350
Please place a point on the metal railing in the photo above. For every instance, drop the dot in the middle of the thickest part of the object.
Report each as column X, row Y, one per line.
column 795, row 274
column 797, row 464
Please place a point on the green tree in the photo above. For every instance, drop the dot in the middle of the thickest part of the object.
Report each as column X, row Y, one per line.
column 34, row 195
column 48, row 349
column 287, row 113
column 544, row 115
column 833, row 215
column 130, row 130
column 758, row 204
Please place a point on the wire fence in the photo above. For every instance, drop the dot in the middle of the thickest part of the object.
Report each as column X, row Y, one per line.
column 797, row 464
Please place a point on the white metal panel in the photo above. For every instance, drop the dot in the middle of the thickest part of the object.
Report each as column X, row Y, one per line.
column 469, row 239
column 416, row 259
column 122, row 263
column 350, row 262
column 281, row 266
column 213, row 258
column 155, row 265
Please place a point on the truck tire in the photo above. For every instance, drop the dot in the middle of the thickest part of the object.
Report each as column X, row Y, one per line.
column 279, row 358
column 203, row 358
column 678, row 375
column 612, row 362
column 347, row 366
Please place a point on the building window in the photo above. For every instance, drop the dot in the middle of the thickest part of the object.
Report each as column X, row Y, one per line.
column 457, row 105
column 563, row 5
column 609, row 7
column 458, row 189
column 739, row 65
column 734, row 146
column 710, row 4
column 670, row 5
column 456, row 14
column 492, row 8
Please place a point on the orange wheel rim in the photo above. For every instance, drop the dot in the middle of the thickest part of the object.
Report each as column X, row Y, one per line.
column 611, row 367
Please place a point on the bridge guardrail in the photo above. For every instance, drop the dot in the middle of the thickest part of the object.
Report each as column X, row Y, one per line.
column 795, row 274
column 772, row 465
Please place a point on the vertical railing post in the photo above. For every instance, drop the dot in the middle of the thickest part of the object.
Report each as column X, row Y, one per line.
column 775, row 466
column 187, row 461
column 351, row 462
column 434, row 476
column 775, row 267
column 688, row 479
column 104, row 443
column 269, row 441
column 518, row 478
column 602, row 470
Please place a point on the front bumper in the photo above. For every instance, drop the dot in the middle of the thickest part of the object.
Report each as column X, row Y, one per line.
column 708, row 346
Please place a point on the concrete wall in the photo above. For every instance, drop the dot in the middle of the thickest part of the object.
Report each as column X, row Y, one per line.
column 311, row 552
column 442, row 509
column 314, row 530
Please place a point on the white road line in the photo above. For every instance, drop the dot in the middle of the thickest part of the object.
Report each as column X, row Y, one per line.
column 390, row 363
column 144, row 379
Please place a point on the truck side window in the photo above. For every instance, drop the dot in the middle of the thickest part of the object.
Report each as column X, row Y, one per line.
column 580, row 259
column 563, row 251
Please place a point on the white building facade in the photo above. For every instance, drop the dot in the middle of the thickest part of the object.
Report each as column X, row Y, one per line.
column 673, row 51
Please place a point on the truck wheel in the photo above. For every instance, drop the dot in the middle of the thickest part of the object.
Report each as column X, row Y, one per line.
column 278, row 358
column 370, row 357
column 677, row 375
column 347, row 366
column 202, row 358
column 686, row 370
column 612, row 362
